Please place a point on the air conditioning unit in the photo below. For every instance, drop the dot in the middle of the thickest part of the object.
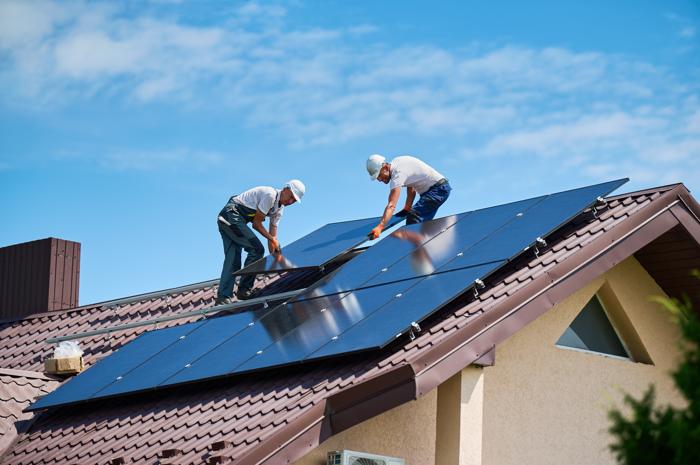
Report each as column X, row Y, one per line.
column 350, row 457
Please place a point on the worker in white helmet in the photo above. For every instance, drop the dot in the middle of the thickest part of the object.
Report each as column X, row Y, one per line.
column 253, row 206
column 417, row 177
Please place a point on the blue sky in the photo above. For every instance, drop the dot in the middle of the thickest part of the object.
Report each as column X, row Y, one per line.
column 127, row 125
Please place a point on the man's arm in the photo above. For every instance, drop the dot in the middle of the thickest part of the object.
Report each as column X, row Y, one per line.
column 410, row 196
column 394, row 195
column 272, row 243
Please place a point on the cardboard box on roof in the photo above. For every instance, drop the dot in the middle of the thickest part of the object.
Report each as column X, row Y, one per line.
column 64, row 366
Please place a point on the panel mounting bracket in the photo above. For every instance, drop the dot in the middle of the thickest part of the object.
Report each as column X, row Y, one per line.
column 539, row 242
column 478, row 284
column 415, row 328
column 599, row 202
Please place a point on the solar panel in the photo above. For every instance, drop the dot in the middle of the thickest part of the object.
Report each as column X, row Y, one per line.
column 420, row 249
column 107, row 370
column 318, row 247
column 493, row 234
column 389, row 313
column 193, row 342
column 361, row 306
column 318, row 319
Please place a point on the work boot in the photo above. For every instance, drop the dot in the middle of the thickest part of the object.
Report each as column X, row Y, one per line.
column 223, row 300
column 244, row 294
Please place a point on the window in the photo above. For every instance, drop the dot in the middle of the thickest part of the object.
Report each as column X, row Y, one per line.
column 592, row 331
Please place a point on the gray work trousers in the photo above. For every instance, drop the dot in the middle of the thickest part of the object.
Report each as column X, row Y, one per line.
column 236, row 238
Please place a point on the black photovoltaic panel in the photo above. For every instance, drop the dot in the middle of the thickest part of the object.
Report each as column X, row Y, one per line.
column 357, row 308
column 319, row 247
column 319, row 318
column 87, row 384
column 386, row 311
column 420, row 249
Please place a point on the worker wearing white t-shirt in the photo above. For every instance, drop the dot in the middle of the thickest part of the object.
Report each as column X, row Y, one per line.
column 253, row 206
column 417, row 177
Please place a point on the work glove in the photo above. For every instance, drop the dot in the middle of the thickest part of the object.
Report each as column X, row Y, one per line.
column 375, row 233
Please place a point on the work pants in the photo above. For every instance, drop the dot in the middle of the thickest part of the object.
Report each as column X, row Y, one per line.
column 428, row 203
column 236, row 238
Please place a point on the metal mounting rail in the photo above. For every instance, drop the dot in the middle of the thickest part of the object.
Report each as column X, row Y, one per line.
column 218, row 308
column 151, row 295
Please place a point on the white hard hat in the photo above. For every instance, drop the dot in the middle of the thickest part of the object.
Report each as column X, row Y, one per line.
column 374, row 165
column 298, row 189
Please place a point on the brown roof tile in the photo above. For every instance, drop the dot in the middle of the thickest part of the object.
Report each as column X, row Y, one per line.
column 18, row 389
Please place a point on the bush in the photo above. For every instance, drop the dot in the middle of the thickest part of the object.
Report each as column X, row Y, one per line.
column 665, row 435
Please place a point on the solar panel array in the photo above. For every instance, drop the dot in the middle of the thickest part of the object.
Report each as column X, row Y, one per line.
column 363, row 305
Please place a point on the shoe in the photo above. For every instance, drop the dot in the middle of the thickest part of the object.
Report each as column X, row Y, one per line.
column 223, row 300
column 244, row 294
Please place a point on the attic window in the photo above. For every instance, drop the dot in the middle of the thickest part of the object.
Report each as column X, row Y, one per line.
column 592, row 331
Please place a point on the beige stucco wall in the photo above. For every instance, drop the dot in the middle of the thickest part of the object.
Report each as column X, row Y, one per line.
column 407, row 431
column 547, row 405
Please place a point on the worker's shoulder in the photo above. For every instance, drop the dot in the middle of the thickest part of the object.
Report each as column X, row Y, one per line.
column 405, row 159
column 267, row 190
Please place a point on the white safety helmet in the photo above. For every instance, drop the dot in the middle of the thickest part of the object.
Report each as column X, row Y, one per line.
column 374, row 165
column 298, row 189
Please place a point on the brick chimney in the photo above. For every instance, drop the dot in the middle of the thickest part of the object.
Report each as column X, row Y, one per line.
column 39, row 276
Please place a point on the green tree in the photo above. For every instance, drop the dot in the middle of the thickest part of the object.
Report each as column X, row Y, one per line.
column 664, row 435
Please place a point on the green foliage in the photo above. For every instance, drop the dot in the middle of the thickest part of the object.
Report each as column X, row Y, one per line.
column 665, row 435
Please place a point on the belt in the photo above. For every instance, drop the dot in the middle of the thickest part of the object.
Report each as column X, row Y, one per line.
column 441, row 182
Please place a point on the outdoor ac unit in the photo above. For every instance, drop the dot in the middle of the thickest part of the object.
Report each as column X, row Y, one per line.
column 350, row 457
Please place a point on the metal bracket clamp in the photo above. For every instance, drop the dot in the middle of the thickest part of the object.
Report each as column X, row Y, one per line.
column 599, row 202
column 415, row 328
column 478, row 284
column 539, row 242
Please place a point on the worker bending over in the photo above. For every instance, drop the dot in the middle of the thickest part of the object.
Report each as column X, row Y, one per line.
column 416, row 176
column 251, row 206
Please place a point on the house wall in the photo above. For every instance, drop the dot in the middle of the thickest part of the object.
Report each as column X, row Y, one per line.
column 407, row 431
column 547, row 405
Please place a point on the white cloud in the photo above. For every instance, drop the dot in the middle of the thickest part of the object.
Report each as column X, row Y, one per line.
column 24, row 24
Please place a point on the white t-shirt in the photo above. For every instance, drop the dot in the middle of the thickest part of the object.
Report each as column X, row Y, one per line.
column 412, row 172
column 263, row 198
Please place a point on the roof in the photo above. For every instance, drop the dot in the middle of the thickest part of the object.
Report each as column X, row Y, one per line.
column 277, row 416
column 19, row 388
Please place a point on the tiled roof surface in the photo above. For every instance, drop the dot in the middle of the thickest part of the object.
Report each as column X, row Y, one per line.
column 246, row 411
column 17, row 390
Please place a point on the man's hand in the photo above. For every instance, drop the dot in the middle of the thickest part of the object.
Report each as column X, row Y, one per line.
column 376, row 232
column 273, row 246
